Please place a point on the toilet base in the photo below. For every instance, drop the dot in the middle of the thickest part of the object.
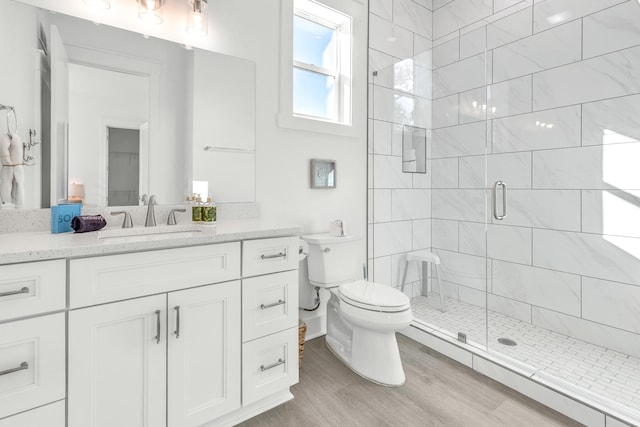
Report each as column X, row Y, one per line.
column 372, row 354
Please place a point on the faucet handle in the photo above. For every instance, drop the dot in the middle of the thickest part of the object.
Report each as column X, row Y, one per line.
column 171, row 219
column 128, row 222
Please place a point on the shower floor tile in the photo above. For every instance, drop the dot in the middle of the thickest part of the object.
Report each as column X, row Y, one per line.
column 603, row 372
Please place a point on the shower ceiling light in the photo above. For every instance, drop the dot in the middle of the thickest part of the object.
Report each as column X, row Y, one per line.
column 150, row 11
column 98, row 4
column 197, row 21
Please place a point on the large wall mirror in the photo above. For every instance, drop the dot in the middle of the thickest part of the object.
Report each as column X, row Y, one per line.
column 119, row 115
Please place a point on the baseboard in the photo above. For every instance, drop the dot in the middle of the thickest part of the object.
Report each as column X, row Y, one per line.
column 250, row 411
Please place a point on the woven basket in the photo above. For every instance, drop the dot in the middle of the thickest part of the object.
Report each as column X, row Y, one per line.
column 302, row 330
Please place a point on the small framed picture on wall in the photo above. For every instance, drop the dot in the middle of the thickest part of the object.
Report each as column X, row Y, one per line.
column 323, row 173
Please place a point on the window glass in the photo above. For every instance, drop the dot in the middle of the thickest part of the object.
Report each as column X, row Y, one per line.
column 313, row 94
column 314, row 43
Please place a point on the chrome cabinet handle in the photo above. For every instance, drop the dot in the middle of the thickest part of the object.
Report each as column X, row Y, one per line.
column 22, row 367
column 157, row 337
column 280, row 255
column 273, row 365
column 177, row 331
column 273, row 304
column 504, row 200
column 24, row 290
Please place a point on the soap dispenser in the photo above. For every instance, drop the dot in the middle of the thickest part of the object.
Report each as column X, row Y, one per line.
column 209, row 210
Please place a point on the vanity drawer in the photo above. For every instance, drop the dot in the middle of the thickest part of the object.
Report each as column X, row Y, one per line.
column 269, row 255
column 51, row 415
column 32, row 288
column 269, row 365
column 32, row 363
column 117, row 277
column 269, row 304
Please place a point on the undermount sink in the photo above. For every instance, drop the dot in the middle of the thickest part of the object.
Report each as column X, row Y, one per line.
column 149, row 233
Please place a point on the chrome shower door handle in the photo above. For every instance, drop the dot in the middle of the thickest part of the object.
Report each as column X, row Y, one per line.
column 504, row 200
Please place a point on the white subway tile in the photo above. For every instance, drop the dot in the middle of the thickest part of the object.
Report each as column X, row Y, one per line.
column 554, row 209
column 540, row 130
column 611, row 303
column 509, row 243
column 389, row 38
column 604, row 257
column 537, row 286
column 412, row 16
column 499, row 5
column 509, row 97
column 605, row 76
column 459, row 205
column 612, row 166
column 455, row 15
column 421, row 234
column 444, row 173
column 391, row 238
column 472, row 238
column 410, row 204
column 445, row 111
column 586, row 330
column 382, row 8
column 611, row 121
column 559, row 46
column 381, row 205
column 459, row 76
column 381, row 137
column 461, row 269
column 512, row 168
column 382, row 270
column 473, row 105
column 473, row 296
column 473, row 43
column 464, row 140
column 510, row 28
column 444, row 234
column 509, row 307
column 378, row 61
column 446, row 53
column 549, row 14
column 387, row 173
column 612, row 212
column 612, row 29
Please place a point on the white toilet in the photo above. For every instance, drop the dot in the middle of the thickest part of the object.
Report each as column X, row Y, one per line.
column 362, row 316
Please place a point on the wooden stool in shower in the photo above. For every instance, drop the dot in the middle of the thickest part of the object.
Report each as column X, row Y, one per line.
column 422, row 257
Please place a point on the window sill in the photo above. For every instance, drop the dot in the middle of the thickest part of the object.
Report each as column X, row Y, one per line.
column 318, row 126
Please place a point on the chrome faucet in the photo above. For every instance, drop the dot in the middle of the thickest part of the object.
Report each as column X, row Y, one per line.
column 151, row 215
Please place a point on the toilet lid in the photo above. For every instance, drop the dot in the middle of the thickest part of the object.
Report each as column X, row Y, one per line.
column 374, row 296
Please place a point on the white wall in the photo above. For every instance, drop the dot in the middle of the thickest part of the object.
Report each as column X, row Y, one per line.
column 19, row 89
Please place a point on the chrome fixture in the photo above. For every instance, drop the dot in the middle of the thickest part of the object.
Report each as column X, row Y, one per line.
column 127, row 222
column 171, row 219
column 197, row 18
column 150, row 11
column 504, row 200
column 151, row 214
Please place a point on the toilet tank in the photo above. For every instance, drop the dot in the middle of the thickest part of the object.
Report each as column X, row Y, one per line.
column 332, row 260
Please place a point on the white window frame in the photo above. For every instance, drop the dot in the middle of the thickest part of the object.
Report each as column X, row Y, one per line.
column 345, row 20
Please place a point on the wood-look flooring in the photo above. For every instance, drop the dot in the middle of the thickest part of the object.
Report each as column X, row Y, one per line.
column 438, row 392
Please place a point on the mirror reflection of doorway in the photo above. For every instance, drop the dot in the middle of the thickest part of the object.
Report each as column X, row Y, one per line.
column 123, row 168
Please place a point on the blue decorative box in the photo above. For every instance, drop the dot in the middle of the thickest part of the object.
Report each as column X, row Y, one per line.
column 62, row 215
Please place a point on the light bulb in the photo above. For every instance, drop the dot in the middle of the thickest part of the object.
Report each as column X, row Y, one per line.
column 197, row 21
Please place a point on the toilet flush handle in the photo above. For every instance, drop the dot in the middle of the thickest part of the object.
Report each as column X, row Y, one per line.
column 326, row 250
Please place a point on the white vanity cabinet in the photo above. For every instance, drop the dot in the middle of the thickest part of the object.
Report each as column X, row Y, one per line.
column 32, row 344
column 269, row 317
column 175, row 354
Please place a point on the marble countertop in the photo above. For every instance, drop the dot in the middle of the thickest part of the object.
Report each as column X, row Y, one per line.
column 36, row 246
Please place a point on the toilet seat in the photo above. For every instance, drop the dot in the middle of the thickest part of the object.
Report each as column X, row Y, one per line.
column 374, row 297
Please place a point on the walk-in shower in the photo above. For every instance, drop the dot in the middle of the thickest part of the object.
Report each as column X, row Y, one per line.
column 531, row 195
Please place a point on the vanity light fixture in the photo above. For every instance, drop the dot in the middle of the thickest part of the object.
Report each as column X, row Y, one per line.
column 98, row 4
column 197, row 18
column 150, row 11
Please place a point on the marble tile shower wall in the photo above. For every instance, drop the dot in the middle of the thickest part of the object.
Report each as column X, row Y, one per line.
column 400, row 33
column 561, row 126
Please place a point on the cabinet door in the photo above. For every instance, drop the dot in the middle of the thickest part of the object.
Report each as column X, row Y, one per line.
column 117, row 364
column 204, row 354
